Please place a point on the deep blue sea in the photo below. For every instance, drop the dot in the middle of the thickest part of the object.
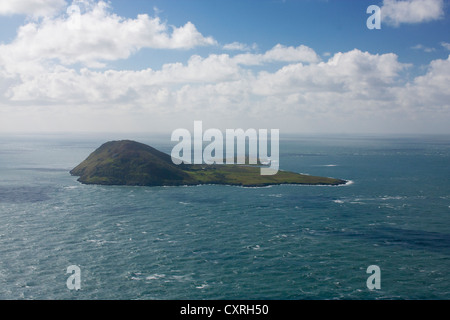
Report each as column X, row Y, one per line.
column 225, row 242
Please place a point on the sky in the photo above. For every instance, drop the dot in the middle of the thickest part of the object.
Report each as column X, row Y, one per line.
column 301, row 66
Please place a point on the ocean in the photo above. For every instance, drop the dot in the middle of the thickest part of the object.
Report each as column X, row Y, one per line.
column 225, row 242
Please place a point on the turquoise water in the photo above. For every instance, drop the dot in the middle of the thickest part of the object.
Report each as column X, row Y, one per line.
column 224, row 242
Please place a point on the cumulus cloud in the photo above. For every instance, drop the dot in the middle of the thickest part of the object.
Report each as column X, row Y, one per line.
column 396, row 12
column 36, row 8
column 429, row 92
column 220, row 81
column 348, row 86
column 111, row 85
column 238, row 46
column 291, row 54
column 280, row 53
column 97, row 35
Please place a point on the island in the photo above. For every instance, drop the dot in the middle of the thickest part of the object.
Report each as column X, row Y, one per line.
column 132, row 163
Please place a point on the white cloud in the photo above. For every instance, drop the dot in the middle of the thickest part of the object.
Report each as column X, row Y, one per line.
column 429, row 92
column 36, row 8
column 423, row 48
column 352, row 87
column 446, row 45
column 96, row 36
column 237, row 46
column 396, row 12
column 355, row 73
column 111, row 85
column 280, row 53
column 219, row 81
column 291, row 54
column 185, row 37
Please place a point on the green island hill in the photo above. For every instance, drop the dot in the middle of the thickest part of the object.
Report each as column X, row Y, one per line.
column 135, row 164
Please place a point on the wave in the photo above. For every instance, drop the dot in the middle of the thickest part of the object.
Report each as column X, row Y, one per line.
column 278, row 195
column 393, row 198
column 349, row 182
column 326, row 165
column 155, row 276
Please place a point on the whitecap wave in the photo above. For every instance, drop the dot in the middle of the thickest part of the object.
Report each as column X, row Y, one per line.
column 326, row 165
column 155, row 276
column 277, row 195
column 392, row 198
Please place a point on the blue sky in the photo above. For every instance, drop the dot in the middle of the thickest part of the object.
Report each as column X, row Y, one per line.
column 307, row 66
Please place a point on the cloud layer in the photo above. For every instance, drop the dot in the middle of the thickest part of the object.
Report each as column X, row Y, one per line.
column 55, row 72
